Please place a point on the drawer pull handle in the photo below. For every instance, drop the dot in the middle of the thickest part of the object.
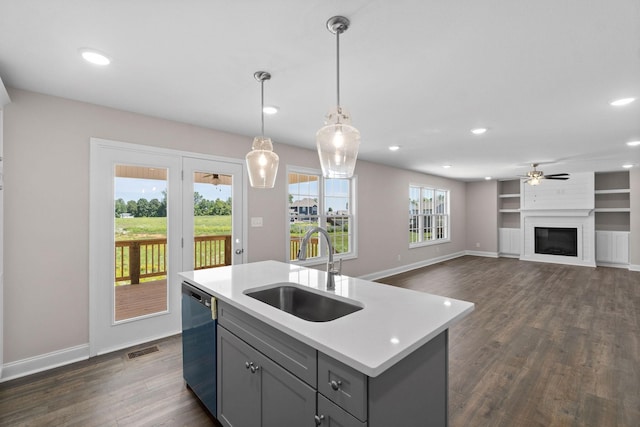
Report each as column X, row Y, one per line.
column 318, row 419
column 335, row 384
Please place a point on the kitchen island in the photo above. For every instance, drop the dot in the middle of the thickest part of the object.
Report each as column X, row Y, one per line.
column 384, row 363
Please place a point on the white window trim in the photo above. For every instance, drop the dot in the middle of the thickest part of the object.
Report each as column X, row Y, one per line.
column 438, row 241
column 323, row 259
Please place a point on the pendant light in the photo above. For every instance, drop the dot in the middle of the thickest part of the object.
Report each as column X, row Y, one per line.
column 338, row 141
column 262, row 162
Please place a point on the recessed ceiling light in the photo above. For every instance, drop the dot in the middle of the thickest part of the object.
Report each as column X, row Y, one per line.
column 487, row 178
column 478, row 131
column 446, row 166
column 627, row 166
column 622, row 101
column 394, row 147
column 94, row 57
column 270, row 109
column 633, row 143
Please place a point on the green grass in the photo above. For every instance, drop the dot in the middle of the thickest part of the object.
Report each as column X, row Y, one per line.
column 153, row 228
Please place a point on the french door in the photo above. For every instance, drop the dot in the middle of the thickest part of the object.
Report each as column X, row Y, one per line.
column 212, row 205
column 154, row 213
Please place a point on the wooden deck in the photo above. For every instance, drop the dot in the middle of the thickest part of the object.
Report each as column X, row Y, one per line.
column 141, row 299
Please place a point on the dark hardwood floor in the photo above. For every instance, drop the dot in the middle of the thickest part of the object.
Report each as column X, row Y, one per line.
column 548, row 345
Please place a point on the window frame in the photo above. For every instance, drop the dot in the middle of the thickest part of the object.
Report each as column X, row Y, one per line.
column 322, row 217
column 421, row 216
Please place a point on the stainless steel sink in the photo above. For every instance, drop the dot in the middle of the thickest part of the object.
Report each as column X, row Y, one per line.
column 304, row 304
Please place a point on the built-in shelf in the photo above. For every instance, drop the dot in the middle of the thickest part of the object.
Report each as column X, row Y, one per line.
column 509, row 204
column 612, row 201
column 612, row 210
column 614, row 191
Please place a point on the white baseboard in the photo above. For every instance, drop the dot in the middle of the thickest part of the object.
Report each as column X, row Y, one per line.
column 613, row 265
column 43, row 362
column 634, row 267
column 482, row 253
column 409, row 267
column 506, row 255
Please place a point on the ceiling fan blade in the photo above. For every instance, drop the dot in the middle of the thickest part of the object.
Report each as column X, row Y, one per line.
column 564, row 178
column 557, row 174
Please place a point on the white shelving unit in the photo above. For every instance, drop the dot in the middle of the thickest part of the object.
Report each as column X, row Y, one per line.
column 509, row 218
column 612, row 211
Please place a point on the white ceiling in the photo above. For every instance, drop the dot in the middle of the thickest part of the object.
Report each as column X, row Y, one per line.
column 417, row 73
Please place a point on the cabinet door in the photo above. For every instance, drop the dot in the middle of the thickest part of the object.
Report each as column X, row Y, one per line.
column 238, row 387
column 255, row 391
column 620, row 248
column 332, row 415
column 604, row 249
column 286, row 400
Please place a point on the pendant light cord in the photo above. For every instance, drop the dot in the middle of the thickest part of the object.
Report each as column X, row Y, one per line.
column 338, row 66
column 262, row 104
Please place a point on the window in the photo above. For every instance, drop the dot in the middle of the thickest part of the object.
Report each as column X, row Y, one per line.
column 318, row 201
column 428, row 215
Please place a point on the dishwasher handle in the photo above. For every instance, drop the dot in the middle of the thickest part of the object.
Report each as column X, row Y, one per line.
column 195, row 293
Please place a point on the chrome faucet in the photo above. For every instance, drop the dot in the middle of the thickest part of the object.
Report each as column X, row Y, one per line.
column 331, row 270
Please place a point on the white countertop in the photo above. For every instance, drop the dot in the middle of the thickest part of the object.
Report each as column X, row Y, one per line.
column 393, row 323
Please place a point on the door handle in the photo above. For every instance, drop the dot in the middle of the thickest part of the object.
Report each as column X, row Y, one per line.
column 239, row 251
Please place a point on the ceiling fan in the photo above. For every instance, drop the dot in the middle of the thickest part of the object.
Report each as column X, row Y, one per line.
column 535, row 176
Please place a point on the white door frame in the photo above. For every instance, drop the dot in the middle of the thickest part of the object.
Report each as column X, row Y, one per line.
column 104, row 335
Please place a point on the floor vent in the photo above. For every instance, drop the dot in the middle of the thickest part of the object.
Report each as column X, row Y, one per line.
column 142, row 352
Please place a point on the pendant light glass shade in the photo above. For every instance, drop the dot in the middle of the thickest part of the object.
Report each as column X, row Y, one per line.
column 338, row 142
column 262, row 162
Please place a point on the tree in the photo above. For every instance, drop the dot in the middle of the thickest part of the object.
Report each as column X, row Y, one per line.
column 144, row 209
column 154, row 208
column 121, row 207
column 132, row 207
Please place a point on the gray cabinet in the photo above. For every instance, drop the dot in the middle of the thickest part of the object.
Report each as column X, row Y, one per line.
column 266, row 378
column 254, row 391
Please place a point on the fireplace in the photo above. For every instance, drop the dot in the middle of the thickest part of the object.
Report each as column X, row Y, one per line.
column 556, row 241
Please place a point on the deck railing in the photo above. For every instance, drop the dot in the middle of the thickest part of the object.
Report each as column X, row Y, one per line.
column 142, row 259
column 294, row 247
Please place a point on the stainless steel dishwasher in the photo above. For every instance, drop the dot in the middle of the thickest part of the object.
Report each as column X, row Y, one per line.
column 199, row 321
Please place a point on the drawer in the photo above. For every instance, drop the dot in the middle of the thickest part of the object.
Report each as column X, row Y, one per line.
column 293, row 355
column 334, row 416
column 343, row 385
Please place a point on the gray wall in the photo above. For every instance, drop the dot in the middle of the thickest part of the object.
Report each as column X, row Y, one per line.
column 482, row 216
column 47, row 211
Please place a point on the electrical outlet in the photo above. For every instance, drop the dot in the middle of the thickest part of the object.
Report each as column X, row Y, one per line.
column 256, row 221
column 477, row 245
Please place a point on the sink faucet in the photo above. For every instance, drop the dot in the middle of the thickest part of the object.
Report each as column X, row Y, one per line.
column 331, row 270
